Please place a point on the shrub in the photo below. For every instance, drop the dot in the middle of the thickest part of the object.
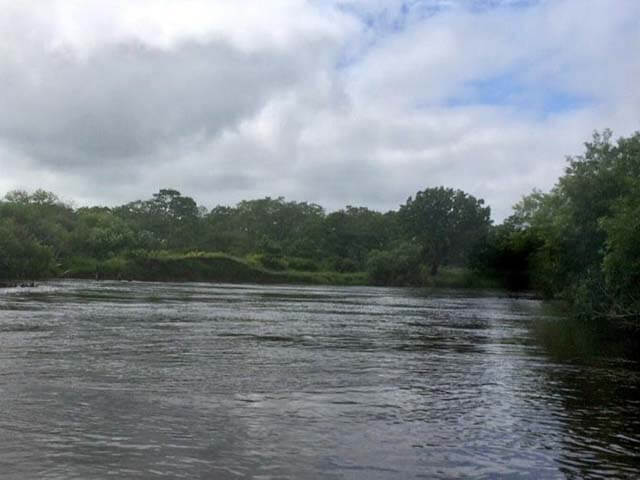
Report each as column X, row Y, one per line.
column 400, row 266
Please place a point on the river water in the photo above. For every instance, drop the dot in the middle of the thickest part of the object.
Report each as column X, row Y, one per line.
column 143, row 380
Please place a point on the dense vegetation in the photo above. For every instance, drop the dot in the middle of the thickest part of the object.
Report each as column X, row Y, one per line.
column 267, row 239
column 579, row 242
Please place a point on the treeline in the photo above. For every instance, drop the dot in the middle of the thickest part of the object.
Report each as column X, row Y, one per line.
column 41, row 236
column 579, row 242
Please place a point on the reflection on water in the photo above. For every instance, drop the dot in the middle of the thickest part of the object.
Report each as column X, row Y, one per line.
column 141, row 380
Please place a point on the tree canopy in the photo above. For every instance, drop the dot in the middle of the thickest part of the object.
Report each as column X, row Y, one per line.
column 581, row 239
column 445, row 223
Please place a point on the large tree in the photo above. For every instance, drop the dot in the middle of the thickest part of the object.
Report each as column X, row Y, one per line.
column 169, row 219
column 22, row 256
column 353, row 232
column 445, row 223
column 588, row 229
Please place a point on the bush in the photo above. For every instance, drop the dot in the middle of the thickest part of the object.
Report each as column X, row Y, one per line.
column 21, row 255
column 400, row 266
column 345, row 265
column 303, row 264
column 81, row 266
column 273, row 262
column 114, row 267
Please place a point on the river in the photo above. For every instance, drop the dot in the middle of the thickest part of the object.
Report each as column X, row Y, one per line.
column 147, row 380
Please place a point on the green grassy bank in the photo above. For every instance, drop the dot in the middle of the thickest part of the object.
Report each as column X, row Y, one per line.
column 219, row 267
column 199, row 267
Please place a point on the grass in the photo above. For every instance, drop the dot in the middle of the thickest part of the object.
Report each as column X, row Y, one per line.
column 220, row 267
column 200, row 266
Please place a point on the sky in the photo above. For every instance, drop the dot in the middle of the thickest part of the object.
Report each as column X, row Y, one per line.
column 337, row 102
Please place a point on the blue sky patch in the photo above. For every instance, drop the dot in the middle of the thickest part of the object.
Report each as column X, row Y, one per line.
column 391, row 20
column 509, row 90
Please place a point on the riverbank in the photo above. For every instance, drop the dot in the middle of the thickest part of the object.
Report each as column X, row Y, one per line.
column 7, row 284
column 200, row 267
column 219, row 267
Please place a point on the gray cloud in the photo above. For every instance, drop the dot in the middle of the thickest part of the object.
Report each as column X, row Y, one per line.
column 336, row 102
column 127, row 100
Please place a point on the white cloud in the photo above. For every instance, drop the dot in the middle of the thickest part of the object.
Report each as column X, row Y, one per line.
column 85, row 25
column 334, row 102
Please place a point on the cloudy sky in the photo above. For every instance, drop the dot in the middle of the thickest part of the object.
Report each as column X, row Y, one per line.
column 360, row 102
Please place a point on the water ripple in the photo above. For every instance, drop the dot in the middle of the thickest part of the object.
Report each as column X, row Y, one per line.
column 144, row 380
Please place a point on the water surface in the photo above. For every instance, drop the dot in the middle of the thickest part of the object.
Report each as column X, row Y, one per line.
column 142, row 380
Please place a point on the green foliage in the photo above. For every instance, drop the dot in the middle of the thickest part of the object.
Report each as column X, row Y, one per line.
column 621, row 265
column 39, row 197
column 80, row 266
column 507, row 255
column 167, row 220
column 273, row 262
column 445, row 223
column 198, row 266
column 39, row 220
column 350, row 234
column 302, row 264
column 21, row 255
column 267, row 225
column 341, row 264
column 581, row 241
column 398, row 266
column 100, row 234
column 276, row 235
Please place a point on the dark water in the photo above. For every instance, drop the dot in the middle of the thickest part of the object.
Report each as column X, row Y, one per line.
column 134, row 380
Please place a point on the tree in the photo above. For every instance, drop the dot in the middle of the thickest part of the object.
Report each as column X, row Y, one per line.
column 21, row 255
column 39, row 197
column 170, row 219
column 587, row 230
column 100, row 234
column 397, row 266
column 46, row 219
column 621, row 263
column 445, row 223
column 252, row 225
column 507, row 254
column 353, row 232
